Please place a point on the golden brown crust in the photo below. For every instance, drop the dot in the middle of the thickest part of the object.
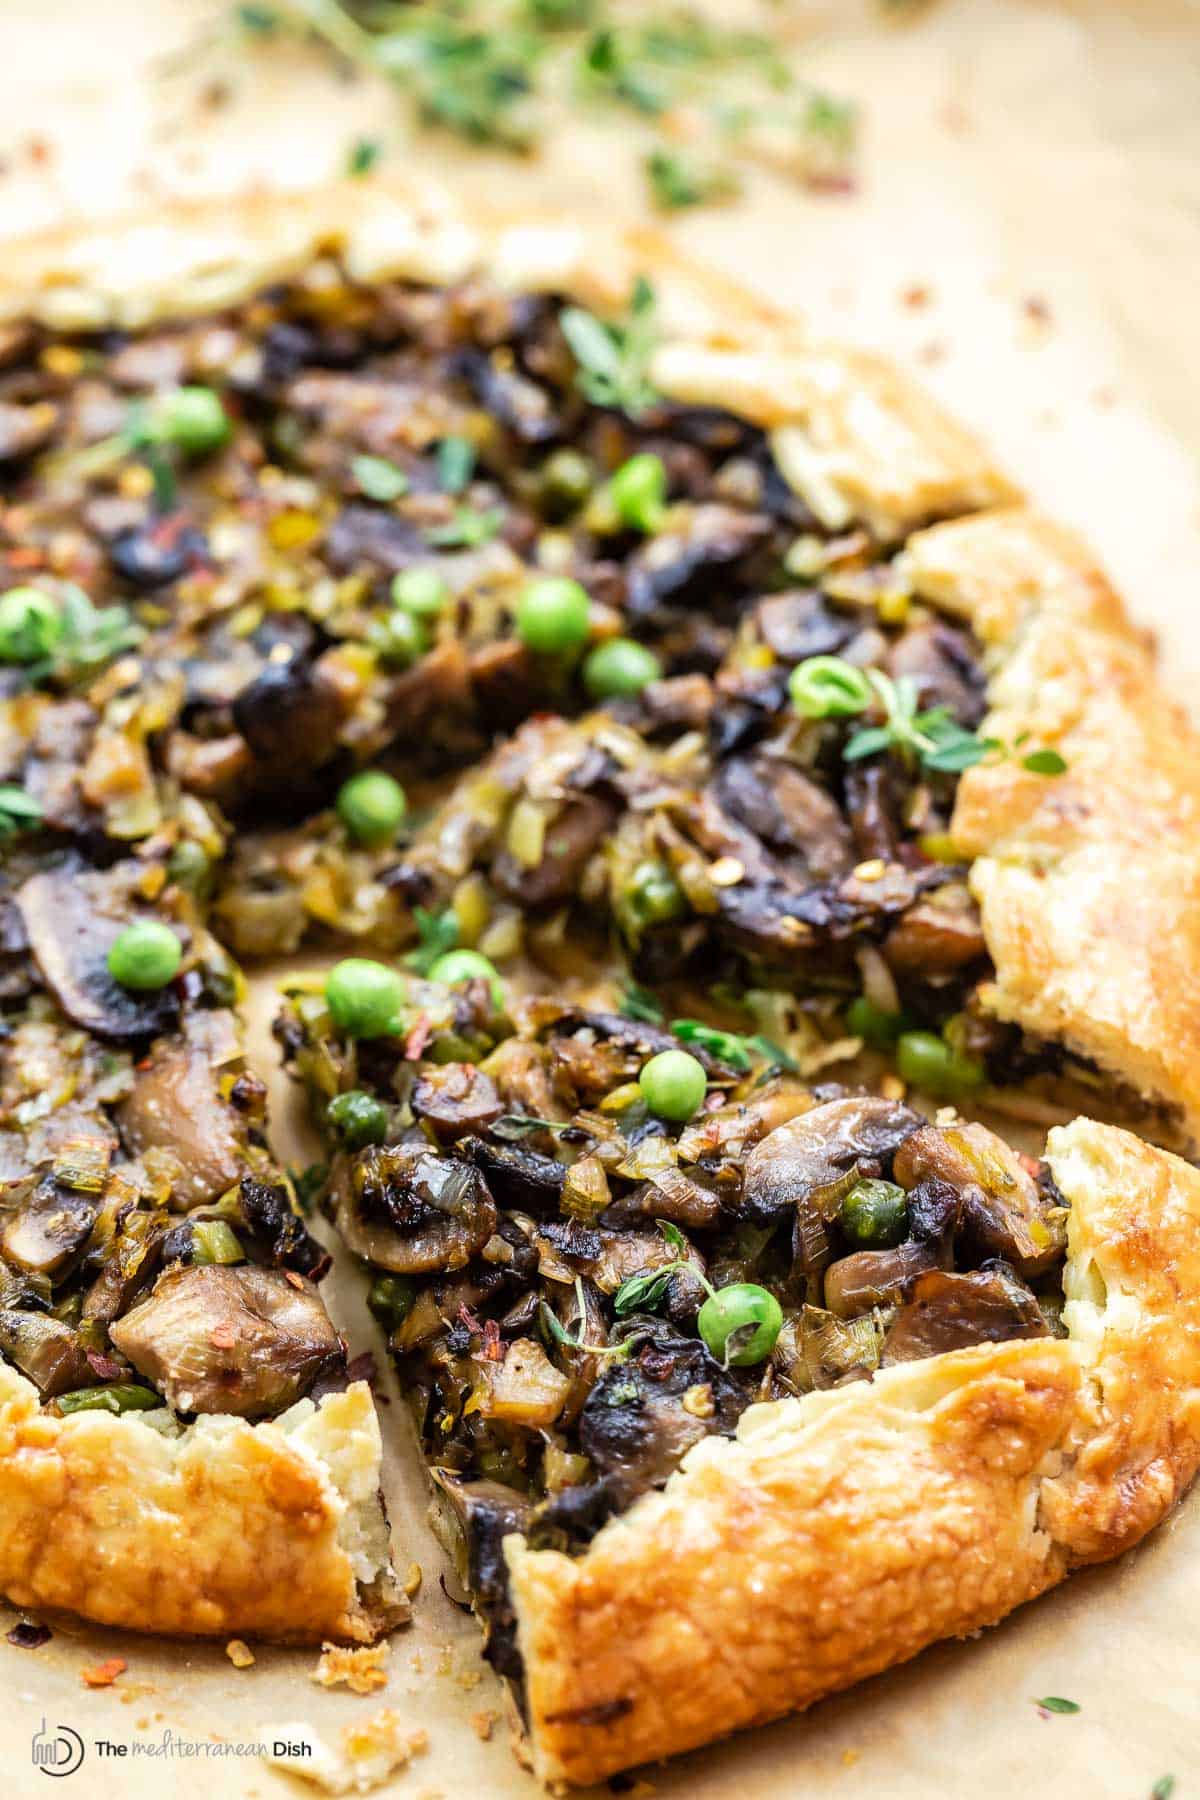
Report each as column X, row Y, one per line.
column 852, row 433
column 841, row 1533
column 1089, row 883
column 224, row 1528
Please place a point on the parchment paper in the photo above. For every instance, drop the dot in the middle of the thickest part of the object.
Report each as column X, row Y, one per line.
column 1027, row 235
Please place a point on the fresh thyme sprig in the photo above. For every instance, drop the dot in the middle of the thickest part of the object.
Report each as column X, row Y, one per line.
column 614, row 358
column 490, row 70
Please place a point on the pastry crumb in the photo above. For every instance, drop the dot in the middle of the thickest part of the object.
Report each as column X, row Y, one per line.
column 483, row 1723
column 102, row 1675
column 360, row 1670
column 468, row 1679
column 370, row 1752
column 412, row 1580
column 849, row 1758
column 240, row 1654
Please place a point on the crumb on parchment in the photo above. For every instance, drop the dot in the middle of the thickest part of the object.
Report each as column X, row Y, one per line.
column 369, row 1752
column 483, row 1723
column 361, row 1670
column 240, row 1654
column 103, row 1674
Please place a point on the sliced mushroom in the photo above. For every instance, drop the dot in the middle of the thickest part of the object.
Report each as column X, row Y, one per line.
column 517, row 1176
column 789, row 812
column 72, row 916
column 939, row 935
column 869, row 1278
column 817, row 1157
column 647, row 1411
column 50, row 1231
column 289, row 716
column 177, row 1105
column 410, row 1211
column 216, row 1339
column 472, row 1520
column 1003, row 1211
column 949, row 1311
column 456, row 1100
column 46, row 1350
column 577, row 829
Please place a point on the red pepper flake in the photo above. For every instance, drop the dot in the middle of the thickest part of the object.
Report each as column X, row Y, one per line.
column 223, row 1335
column 493, row 1348
column 105, row 1673
column 916, row 296
column 467, row 1318
column 363, row 1368
column 26, row 556
column 296, row 1280
column 103, row 1366
column 418, row 1037
column 1037, row 309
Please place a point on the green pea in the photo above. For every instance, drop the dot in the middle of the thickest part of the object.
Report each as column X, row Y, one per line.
column 874, row 1215
column 400, row 639
column 673, row 1084
column 390, row 1298
column 639, row 492
column 876, row 1027
column 828, row 687
column 619, row 669
column 740, row 1323
column 421, row 591
column 30, row 625
column 927, row 1062
column 371, row 806
column 357, row 1118
column 193, row 419
column 552, row 615
column 119, row 1397
column 189, row 864
column 364, row 997
column 457, row 966
column 213, row 1241
column 654, row 894
column 564, row 482
column 145, row 956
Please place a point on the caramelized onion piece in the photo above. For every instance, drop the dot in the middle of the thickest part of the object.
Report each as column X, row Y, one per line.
column 949, row 1311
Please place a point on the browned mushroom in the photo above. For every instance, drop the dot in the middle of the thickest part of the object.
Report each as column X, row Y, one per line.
column 869, row 1278
column 816, row 1158
column 217, row 1339
column 46, row 1350
column 410, row 1211
column 571, row 836
column 645, row 1412
column 947, row 1311
column 1003, row 1212
column 48, row 1233
column 456, row 1099
column 177, row 1105
column 798, row 821
column 938, row 935
column 72, row 916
